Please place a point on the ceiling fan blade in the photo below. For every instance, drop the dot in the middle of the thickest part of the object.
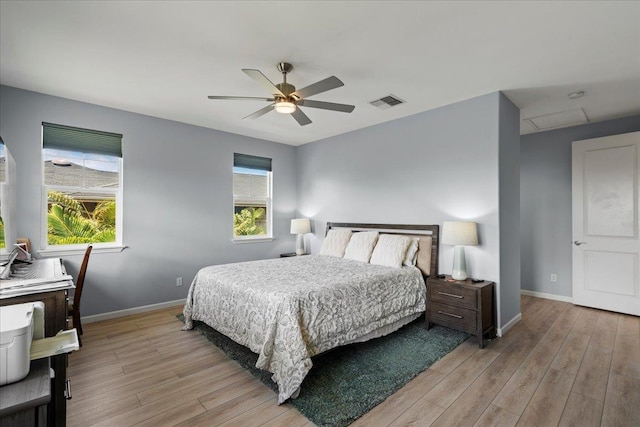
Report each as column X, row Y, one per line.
column 264, row 81
column 301, row 117
column 260, row 112
column 344, row 108
column 242, row 98
column 318, row 87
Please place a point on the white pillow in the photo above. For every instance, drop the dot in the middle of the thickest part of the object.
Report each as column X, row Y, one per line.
column 412, row 252
column 335, row 242
column 390, row 250
column 361, row 245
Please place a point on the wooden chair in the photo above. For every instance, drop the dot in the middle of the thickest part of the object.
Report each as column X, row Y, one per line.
column 74, row 307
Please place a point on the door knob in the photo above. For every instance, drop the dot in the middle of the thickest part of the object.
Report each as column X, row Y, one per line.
column 578, row 243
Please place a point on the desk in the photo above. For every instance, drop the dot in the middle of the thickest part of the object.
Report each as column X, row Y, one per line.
column 21, row 403
column 55, row 319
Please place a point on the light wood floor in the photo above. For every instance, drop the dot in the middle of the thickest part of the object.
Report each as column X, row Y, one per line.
column 561, row 365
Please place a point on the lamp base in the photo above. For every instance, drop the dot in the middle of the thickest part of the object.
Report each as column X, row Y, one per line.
column 459, row 271
column 300, row 244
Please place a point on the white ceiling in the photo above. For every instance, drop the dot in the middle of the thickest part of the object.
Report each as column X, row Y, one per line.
column 163, row 58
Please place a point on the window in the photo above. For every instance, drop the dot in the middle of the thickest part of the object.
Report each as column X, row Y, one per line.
column 251, row 197
column 82, row 187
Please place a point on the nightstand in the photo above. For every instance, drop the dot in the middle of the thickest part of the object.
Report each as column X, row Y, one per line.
column 462, row 305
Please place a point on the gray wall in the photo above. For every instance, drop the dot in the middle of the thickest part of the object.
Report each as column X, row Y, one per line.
column 177, row 197
column 455, row 162
column 509, row 213
column 545, row 188
column 430, row 167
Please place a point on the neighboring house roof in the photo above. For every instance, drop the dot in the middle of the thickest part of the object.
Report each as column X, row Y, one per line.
column 74, row 175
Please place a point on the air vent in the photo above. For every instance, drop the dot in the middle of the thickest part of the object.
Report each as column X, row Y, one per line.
column 387, row 102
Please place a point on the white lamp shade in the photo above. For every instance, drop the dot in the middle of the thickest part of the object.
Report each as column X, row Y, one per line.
column 300, row 226
column 461, row 233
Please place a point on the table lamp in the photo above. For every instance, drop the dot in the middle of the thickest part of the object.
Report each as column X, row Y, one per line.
column 300, row 226
column 460, row 234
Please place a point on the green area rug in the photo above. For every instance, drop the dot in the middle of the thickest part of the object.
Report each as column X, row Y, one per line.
column 348, row 382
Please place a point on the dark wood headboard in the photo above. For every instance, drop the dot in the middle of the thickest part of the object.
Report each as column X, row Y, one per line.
column 432, row 231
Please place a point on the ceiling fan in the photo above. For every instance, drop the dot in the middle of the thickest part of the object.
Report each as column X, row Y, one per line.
column 286, row 99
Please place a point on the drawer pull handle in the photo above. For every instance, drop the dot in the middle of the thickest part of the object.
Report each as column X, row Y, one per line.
column 449, row 314
column 67, row 389
column 450, row 295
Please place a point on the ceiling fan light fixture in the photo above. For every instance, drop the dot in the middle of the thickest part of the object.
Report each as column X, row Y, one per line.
column 285, row 107
column 286, row 99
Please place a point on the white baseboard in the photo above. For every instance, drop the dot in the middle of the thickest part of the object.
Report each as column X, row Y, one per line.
column 546, row 296
column 501, row 331
column 129, row 311
column 135, row 310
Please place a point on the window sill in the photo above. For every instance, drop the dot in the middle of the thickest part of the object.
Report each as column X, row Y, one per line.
column 253, row 240
column 80, row 251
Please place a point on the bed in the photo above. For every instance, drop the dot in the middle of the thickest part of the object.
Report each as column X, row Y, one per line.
column 288, row 310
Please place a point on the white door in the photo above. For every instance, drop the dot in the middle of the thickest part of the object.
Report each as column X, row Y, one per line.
column 606, row 245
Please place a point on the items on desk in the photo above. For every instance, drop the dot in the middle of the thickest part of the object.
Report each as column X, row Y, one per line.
column 22, row 340
column 23, row 252
column 6, row 267
column 19, row 253
column 35, row 275
column 16, row 334
column 25, row 244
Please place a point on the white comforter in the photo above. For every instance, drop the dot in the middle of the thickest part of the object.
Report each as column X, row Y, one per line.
column 289, row 309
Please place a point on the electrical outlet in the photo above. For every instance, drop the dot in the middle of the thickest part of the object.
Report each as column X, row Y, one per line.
column 179, row 281
column 554, row 278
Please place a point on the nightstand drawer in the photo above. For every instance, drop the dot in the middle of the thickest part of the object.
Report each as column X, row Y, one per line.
column 459, row 317
column 452, row 294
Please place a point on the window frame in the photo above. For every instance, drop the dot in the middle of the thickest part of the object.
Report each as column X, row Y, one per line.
column 76, row 249
column 8, row 210
column 4, row 249
column 268, row 236
column 3, row 197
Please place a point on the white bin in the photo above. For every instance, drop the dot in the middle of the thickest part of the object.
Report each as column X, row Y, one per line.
column 16, row 333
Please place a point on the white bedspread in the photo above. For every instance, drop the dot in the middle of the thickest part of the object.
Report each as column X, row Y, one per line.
column 289, row 309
